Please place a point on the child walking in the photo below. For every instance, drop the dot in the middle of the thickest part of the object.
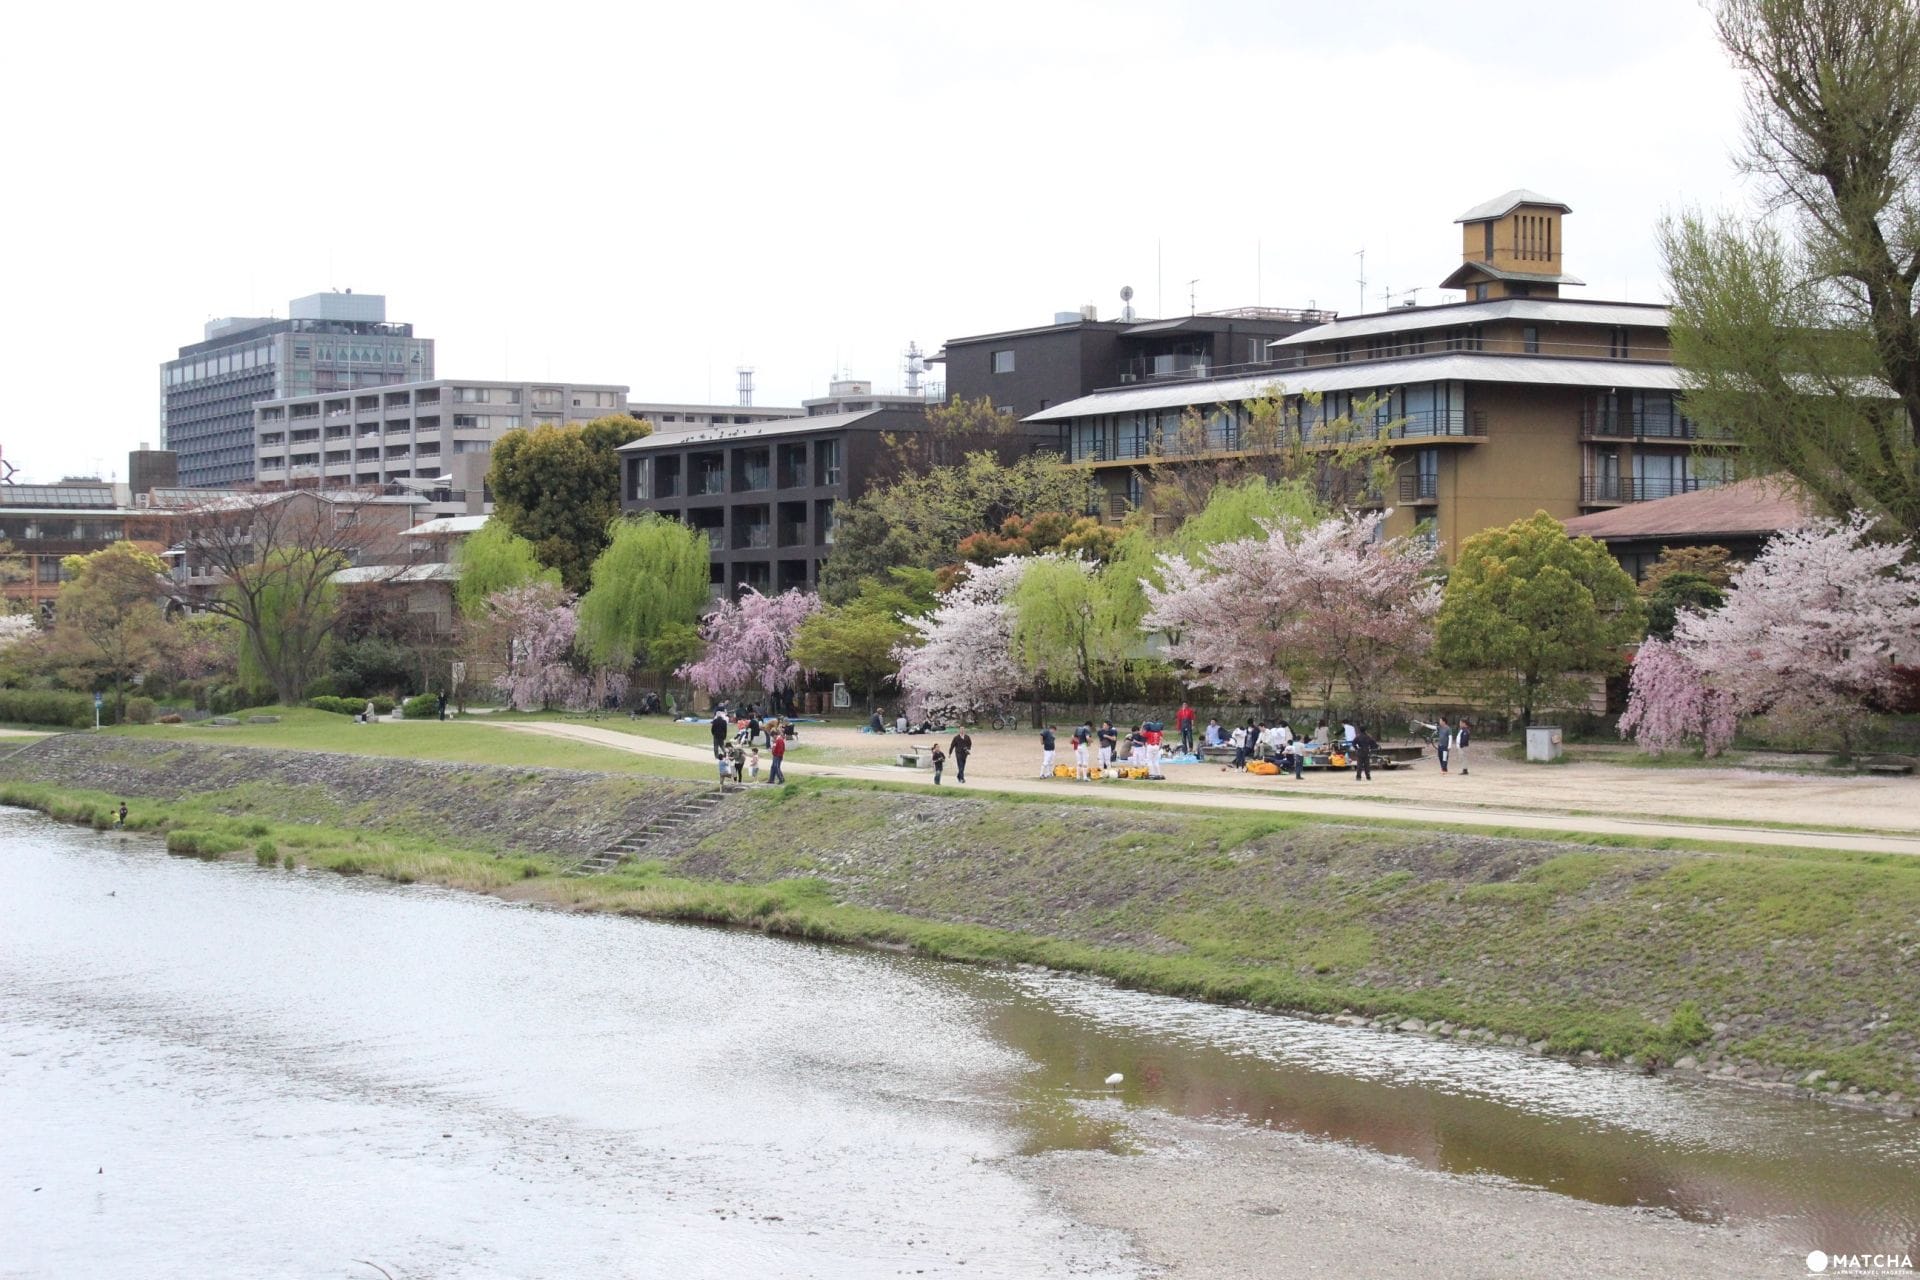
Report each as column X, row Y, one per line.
column 939, row 763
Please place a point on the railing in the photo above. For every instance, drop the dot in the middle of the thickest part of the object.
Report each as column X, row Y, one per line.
column 666, row 486
column 706, row 483
column 1421, row 488
column 747, row 479
column 752, row 537
column 793, row 477
column 1596, row 490
column 792, row 535
column 1422, row 425
column 1646, row 425
column 716, row 539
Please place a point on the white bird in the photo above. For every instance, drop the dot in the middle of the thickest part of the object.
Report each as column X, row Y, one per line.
column 1115, row 1078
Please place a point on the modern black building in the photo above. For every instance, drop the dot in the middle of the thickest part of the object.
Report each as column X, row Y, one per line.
column 765, row 493
column 1024, row 371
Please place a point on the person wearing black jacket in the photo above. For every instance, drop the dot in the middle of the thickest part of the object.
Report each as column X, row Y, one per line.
column 1362, row 747
column 961, row 747
column 719, row 731
column 1047, row 741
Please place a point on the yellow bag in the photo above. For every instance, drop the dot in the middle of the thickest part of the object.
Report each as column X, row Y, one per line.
column 1063, row 771
column 1263, row 767
column 1337, row 760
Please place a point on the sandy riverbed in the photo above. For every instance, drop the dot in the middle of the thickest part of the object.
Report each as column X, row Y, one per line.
column 1227, row 1203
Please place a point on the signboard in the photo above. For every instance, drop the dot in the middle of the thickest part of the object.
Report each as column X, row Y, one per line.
column 841, row 698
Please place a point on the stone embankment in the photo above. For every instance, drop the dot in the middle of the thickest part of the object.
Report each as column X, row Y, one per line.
column 564, row 812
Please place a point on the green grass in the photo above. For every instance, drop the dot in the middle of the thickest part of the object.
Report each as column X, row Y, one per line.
column 470, row 742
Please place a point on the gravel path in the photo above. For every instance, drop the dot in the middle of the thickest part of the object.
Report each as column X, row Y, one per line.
column 1399, row 795
column 1227, row 1203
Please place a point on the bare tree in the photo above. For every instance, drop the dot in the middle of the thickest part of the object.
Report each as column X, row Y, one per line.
column 271, row 561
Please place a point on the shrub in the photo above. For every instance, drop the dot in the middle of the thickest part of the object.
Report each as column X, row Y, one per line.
column 342, row 706
column 140, row 710
column 265, row 854
column 423, row 706
column 49, row 706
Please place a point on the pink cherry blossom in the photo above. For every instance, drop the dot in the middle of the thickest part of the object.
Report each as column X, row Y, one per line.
column 748, row 642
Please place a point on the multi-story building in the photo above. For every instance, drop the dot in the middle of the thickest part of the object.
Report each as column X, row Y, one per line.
column 1026, row 371
column 329, row 342
column 669, row 417
column 432, row 437
column 764, row 494
column 1512, row 402
column 855, row 395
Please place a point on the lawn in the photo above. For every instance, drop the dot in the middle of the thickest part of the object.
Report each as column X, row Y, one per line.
column 466, row 741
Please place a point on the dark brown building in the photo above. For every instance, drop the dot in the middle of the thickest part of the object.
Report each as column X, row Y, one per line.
column 764, row 493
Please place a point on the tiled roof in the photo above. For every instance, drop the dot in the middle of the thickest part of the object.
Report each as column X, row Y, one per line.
column 1763, row 505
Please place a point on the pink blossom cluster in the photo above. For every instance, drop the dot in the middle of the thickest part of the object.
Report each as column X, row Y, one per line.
column 1331, row 601
column 961, row 665
column 749, row 642
column 1808, row 636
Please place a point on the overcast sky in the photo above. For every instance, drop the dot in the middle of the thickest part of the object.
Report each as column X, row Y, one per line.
column 653, row 195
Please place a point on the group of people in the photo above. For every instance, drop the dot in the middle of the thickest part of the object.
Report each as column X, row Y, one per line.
column 1450, row 742
column 739, row 760
column 1141, row 746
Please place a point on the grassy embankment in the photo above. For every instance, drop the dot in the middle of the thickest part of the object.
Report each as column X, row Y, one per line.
column 1804, row 960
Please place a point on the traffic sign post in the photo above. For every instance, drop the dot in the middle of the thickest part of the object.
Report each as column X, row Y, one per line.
column 98, row 699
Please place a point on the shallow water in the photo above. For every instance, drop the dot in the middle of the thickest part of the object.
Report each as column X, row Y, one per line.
column 210, row 1068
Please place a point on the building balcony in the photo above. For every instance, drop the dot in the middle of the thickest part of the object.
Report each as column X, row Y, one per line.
column 792, row 534
column 1606, row 491
column 1434, row 424
column 1419, row 489
column 752, row 537
column 1656, row 425
column 713, row 482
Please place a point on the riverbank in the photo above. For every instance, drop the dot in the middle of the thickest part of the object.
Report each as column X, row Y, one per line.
column 1776, row 970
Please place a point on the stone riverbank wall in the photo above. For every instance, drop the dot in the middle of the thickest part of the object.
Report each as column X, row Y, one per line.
column 488, row 807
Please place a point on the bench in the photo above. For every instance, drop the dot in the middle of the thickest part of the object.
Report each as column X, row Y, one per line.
column 908, row 759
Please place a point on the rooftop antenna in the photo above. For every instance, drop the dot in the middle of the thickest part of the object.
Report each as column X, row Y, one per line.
column 745, row 373
column 1126, row 303
column 1193, row 294
column 916, row 366
column 1362, row 281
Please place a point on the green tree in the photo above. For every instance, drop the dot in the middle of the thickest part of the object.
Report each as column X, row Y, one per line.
column 108, row 624
column 1069, row 621
column 650, row 587
column 1797, row 335
column 856, row 640
column 920, row 520
column 495, row 558
column 1242, row 509
column 1529, row 609
column 291, row 606
column 559, row 488
column 1680, row 590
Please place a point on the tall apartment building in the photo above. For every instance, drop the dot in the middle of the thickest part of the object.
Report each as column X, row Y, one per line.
column 434, row 437
column 1513, row 401
column 328, row 342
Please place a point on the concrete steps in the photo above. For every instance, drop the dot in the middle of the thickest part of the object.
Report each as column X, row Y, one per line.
column 664, row 829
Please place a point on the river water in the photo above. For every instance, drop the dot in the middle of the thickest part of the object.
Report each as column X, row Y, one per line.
column 216, row 1069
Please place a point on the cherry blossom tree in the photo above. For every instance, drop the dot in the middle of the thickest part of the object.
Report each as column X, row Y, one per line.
column 1808, row 636
column 750, row 642
column 1331, row 603
column 15, row 627
column 1671, row 704
column 537, row 622
column 960, row 663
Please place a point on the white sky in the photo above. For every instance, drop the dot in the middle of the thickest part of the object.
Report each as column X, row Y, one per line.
column 652, row 194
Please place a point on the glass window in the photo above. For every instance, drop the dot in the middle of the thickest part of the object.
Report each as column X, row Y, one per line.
column 1003, row 361
column 1530, row 340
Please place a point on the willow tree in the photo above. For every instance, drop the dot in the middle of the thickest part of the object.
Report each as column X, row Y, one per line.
column 649, row 589
column 1796, row 333
column 496, row 559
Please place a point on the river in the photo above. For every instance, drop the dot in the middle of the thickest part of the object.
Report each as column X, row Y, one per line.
column 217, row 1069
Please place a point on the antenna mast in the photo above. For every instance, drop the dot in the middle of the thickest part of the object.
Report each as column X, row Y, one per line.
column 1362, row 281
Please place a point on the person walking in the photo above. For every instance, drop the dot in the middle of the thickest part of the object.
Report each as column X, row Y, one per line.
column 1183, row 720
column 939, row 763
column 1296, row 758
column 1046, row 751
column 1362, row 744
column 120, row 819
column 753, row 764
column 962, row 747
column 442, row 702
column 719, row 728
column 1239, row 740
column 779, row 757
column 1460, row 744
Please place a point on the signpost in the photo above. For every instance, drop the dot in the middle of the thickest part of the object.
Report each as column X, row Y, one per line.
column 98, row 699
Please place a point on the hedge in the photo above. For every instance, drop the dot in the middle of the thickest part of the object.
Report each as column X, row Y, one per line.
column 382, row 705
column 422, row 706
column 49, row 706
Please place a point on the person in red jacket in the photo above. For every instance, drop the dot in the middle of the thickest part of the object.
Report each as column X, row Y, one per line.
column 779, row 756
column 1184, row 721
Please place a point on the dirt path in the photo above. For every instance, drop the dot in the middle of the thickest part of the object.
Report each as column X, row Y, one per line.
column 1497, row 793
